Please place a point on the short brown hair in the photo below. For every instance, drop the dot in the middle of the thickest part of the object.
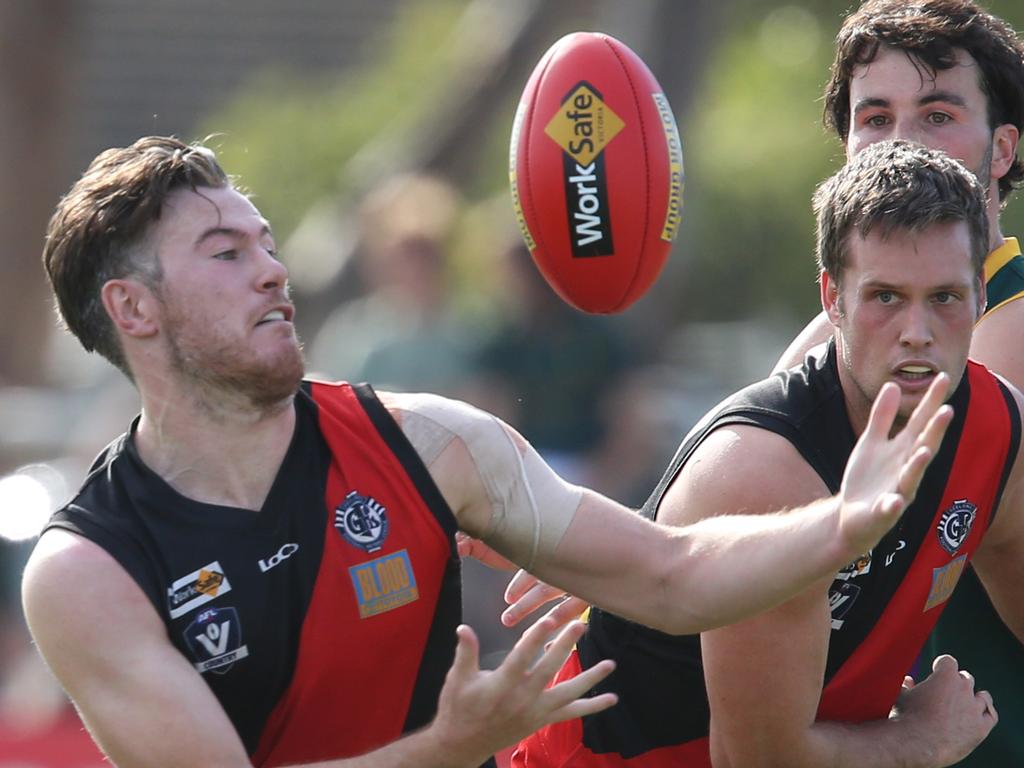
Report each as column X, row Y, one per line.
column 95, row 233
column 897, row 185
column 929, row 32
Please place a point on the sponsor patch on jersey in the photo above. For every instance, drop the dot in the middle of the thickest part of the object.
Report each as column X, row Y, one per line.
column 215, row 640
column 944, row 581
column 196, row 589
column 840, row 600
column 859, row 567
column 955, row 525
column 286, row 551
column 384, row 584
column 362, row 521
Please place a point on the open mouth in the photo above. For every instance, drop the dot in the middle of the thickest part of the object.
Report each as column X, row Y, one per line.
column 915, row 372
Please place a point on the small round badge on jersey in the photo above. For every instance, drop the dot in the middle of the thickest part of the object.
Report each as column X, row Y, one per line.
column 362, row 521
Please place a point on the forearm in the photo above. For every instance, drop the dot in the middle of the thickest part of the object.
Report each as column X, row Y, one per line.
column 721, row 569
column 423, row 749
column 889, row 743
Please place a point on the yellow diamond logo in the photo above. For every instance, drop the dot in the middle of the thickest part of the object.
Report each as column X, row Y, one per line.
column 584, row 125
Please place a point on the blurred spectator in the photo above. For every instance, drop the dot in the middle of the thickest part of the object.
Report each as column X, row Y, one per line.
column 547, row 368
column 404, row 333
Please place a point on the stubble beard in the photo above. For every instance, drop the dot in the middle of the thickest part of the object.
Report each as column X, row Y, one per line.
column 212, row 366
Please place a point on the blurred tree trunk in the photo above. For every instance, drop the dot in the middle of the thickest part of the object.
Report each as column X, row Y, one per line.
column 35, row 36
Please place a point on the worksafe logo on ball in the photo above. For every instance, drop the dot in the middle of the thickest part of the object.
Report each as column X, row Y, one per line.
column 956, row 524
column 215, row 640
column 362, row 521
column 583, row 127
column 384, row 584
column 196, row 589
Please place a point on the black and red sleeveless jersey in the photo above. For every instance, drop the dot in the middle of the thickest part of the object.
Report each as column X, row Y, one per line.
column 883, row 605
column 324, row 622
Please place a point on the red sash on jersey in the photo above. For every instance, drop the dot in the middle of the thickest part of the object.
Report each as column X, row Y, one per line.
column 865, row 687
column 366, row 628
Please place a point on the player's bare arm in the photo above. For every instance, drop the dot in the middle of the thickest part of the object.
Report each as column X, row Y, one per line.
column 146, row 706
column 817, row 331
column 681, row 580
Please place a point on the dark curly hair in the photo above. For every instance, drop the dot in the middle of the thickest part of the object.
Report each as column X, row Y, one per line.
column 930, row 31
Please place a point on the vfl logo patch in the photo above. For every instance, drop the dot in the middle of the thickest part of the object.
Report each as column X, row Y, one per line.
column 196, row 589
column 384, row 584
column 840, row 600
column 944, row 581
column 956, row 524
column 215, row 640
column 859, row 567
column 583, row 127
column 362, row 520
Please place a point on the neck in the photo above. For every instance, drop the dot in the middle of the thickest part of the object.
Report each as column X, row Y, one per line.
column 995, row 233
column 215, row 450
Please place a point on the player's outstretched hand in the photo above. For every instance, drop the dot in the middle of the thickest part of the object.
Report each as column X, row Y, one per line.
column 480, row 712
column 884, row 470
column 526, row 593
column 947, row 711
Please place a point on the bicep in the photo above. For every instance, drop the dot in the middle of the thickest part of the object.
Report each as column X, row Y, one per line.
column 142, row 701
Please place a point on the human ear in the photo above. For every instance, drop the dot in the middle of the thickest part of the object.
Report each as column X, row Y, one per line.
column 830, row 297
column 131, row 307
column 1004, row 149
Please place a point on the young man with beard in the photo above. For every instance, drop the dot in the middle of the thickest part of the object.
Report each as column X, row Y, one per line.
column 949, row 75
column 902, row 236
column 263, row 569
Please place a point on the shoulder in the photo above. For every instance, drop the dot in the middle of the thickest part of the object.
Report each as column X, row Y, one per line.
column 741, row 468
column 66, row 591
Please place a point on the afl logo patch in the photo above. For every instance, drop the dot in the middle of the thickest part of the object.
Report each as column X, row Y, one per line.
column 956, row 524
column 362, row 520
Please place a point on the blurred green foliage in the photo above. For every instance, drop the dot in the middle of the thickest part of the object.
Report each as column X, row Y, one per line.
column 288, row 136
column 754, row 144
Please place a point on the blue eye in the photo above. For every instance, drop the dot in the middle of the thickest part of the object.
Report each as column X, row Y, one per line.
column 886, row 297
column 226, row 255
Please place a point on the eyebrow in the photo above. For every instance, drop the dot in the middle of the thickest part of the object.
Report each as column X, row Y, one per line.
column 948, row 97
column 229, row 232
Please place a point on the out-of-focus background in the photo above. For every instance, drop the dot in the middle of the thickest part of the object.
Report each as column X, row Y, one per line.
column 374, row 136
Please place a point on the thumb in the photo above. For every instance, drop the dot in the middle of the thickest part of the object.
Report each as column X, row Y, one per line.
column 945, row 662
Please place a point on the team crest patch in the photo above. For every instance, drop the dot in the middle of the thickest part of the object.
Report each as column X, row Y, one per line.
column 196, row 589
column 944, row 581
column 215, row 640
column 956, row 524
column 384, row 584
column 362, row 520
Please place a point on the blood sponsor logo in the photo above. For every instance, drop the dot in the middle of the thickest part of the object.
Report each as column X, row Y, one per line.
column 944, row 581
column 384, row 584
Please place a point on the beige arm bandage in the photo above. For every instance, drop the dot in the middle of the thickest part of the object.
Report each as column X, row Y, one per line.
column 531, row 506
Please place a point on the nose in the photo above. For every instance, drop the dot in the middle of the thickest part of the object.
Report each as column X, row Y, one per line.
column 916, row 331
column 907, row 129
column 272, row 273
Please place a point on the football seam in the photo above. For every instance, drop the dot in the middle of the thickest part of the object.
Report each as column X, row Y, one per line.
column 647, row 173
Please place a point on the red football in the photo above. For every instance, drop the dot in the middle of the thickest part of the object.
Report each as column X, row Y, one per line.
column 596, row 169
